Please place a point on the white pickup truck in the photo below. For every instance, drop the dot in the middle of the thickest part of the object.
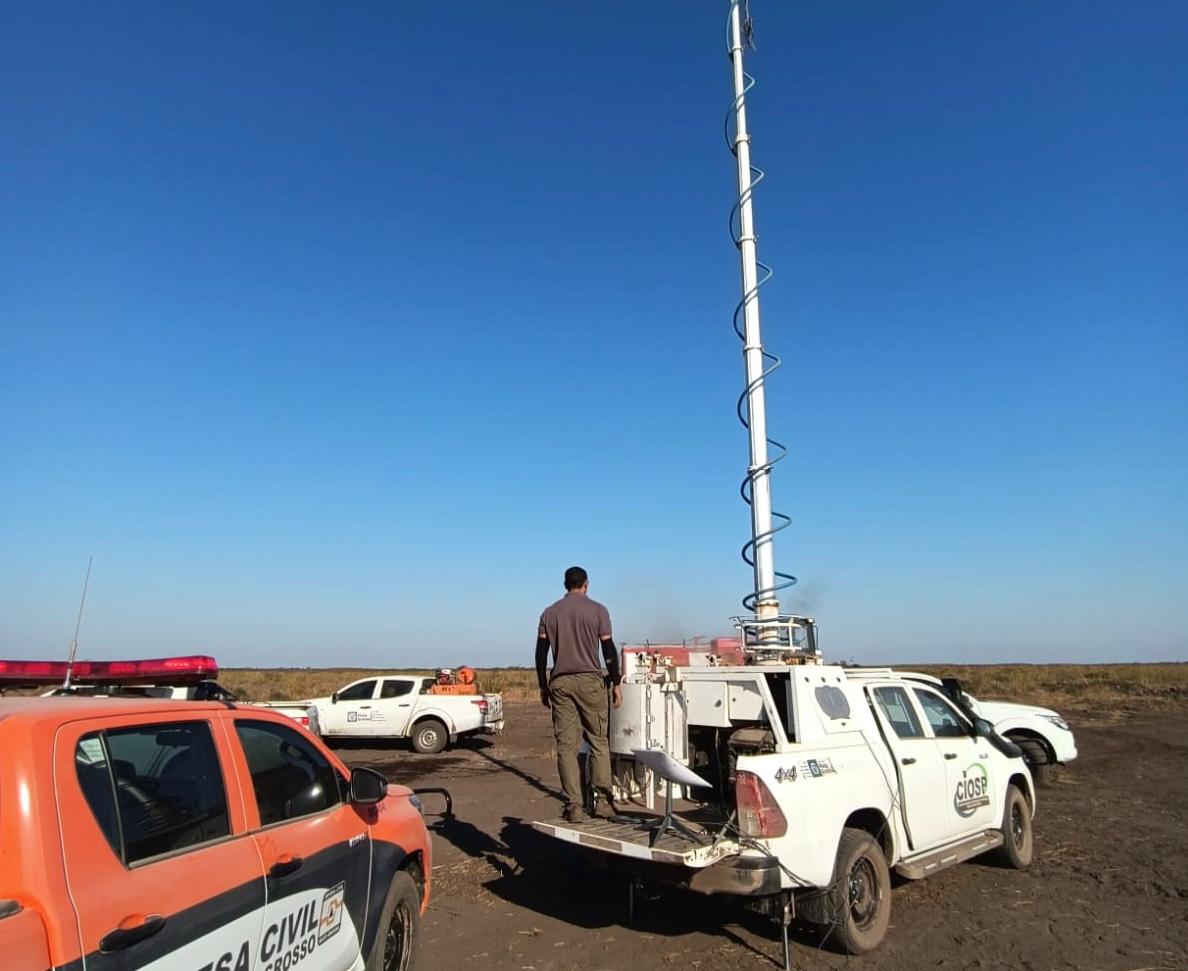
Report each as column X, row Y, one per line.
column 401, row 706
column 1042, row 734
column 818, row 780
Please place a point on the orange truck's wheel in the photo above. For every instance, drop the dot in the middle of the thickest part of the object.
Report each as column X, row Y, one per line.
column 399, row 927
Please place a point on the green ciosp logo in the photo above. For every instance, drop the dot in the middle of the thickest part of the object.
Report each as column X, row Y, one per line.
column 973, row 790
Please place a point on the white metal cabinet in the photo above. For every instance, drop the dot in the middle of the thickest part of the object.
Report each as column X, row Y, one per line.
column 652, row 716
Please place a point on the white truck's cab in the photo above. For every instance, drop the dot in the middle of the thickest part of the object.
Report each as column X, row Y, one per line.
column 404, row 706
column 371, row 706
column 819, row 779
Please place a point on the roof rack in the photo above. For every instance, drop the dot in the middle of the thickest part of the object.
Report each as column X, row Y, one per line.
column 782, row 639
column 871, row 674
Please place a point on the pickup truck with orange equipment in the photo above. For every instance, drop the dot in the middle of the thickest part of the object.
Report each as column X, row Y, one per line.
column 429, row 711
column 159, row 835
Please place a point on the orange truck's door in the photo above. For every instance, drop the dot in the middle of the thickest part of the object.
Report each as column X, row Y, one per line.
column 315, row 846
column 161, row 871
column 23, row 938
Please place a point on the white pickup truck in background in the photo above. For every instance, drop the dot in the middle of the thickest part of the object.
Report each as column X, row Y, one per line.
column 1042, row 734
column 402, row 706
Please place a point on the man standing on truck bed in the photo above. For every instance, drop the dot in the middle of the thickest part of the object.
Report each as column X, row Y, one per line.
column 578, row 628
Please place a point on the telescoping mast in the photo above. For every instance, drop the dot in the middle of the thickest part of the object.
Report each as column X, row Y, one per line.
column 767, row 634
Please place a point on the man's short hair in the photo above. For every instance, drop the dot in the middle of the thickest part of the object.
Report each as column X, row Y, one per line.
column 575, row 578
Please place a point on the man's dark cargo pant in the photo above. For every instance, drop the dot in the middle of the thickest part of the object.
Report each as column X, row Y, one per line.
column 580, row 707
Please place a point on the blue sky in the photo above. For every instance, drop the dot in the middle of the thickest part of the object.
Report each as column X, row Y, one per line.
column 336, row 332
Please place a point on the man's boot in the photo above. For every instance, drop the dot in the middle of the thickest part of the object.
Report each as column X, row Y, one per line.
column 604, row 807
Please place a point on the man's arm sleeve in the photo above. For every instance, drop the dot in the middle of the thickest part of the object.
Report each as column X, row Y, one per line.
column 542, row 658
column 611, row 656
column 604, row 625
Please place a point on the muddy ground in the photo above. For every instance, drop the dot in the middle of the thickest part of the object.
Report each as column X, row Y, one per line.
column 1108, row 888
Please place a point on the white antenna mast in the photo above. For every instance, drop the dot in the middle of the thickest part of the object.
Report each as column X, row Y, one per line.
column 769, row 634
column 765, row 601
column 78, row 624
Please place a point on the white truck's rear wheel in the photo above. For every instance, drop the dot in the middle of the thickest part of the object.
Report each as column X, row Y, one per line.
column 861, row 893
column 1016, row 848
column 429, row 737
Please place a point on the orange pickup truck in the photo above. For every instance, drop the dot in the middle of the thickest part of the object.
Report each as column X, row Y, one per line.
column 192, row 836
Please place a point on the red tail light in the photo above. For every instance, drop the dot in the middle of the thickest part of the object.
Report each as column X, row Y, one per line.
column 482, row 704
column 759, row 815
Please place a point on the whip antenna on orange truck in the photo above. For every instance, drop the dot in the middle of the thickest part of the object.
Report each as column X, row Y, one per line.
column 78, row 624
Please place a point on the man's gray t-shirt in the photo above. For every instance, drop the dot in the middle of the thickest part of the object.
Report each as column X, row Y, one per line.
column 575, row 626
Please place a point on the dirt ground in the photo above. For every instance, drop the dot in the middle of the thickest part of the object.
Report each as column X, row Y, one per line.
column 1108, row 888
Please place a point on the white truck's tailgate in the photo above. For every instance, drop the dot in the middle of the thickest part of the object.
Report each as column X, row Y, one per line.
column 630, row 839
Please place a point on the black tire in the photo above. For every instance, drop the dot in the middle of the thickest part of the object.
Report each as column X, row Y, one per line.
column 1017, row 842
column 860, row 896
column 429, row 737
column 1037, row 757
column 399, row 935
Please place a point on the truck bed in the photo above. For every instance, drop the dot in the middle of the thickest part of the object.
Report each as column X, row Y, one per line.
column 633, row 840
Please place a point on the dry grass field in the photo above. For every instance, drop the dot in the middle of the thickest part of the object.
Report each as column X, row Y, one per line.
column 1093, row 690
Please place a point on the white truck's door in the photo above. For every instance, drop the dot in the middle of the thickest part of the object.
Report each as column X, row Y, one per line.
column 971, row 800
column 921, row 767
column 349, row 712
column 394, row 708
